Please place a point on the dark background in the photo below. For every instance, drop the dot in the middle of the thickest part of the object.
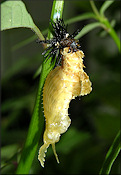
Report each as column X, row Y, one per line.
column 95, row 117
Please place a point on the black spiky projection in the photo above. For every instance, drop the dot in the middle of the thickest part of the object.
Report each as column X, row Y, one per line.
column 61, row 39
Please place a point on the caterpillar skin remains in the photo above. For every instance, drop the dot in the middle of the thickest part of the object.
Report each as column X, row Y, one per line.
column 62, row 84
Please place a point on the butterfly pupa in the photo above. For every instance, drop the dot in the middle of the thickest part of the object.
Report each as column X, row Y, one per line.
column 62, row 84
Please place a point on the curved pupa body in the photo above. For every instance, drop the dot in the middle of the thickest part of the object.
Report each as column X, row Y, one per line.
column 62, row 85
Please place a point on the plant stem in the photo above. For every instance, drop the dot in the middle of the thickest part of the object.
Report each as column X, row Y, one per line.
column 35, row 129
column 112, row 32
column 57, row 11
column 37, row 121
column 38, row 33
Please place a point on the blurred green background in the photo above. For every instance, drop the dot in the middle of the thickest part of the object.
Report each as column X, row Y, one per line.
column 95, row 118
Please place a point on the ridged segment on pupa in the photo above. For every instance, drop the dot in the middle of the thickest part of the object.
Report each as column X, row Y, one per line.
column 62, row 85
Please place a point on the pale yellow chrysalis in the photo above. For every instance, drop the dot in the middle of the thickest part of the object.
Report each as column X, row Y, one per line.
column 62, row 84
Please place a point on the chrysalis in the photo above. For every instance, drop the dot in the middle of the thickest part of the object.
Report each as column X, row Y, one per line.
column 67, row 81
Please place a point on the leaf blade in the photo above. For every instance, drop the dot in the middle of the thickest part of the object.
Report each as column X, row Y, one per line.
column 104, row 7
column 81, row 17
column 14, row 15
column 87, row 29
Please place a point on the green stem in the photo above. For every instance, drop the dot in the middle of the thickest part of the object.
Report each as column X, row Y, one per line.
column 112, row 32
column 57, row 11
column 111, row 155
column 37, row 121
column 35, row 130
column 38, row 33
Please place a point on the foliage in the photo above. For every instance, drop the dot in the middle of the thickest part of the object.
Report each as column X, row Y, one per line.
column 90, row 135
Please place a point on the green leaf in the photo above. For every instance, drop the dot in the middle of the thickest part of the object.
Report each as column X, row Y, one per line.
column 14, row 15
column 88, row 28
column 111, row 155
column 104, row 7
column 81, row 17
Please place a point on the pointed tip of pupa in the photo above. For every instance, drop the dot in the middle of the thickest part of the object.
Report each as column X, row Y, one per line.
column 41, row 156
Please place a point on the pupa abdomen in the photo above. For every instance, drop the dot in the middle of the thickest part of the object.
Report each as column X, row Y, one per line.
column 62, row 85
